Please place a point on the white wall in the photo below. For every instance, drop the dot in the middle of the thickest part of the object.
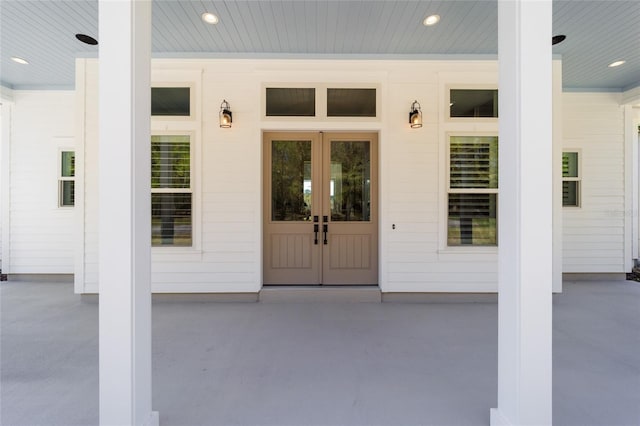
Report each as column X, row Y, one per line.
column 227, row 251
column 38, row 234
column 594, row 233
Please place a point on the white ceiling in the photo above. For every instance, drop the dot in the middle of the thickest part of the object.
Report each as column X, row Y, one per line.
column 598, row 33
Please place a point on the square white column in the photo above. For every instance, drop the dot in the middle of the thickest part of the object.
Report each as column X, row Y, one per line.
column 125, row 213
column 525, row 213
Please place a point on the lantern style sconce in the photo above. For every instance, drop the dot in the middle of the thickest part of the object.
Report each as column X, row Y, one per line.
column 226, row 118
column 415, row 115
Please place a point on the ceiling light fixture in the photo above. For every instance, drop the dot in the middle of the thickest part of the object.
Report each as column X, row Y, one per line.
column 210, row 18
column 431, row 20
column 558, row 39
column 19, row 60
column 616, row 64
column 87, row 39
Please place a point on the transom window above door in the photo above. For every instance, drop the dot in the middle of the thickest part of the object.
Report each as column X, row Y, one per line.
column 171, row 101
column 473, row 103
column 290, row 102
column 321, row 101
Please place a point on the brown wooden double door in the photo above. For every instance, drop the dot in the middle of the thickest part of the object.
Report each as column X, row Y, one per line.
column 320, row 208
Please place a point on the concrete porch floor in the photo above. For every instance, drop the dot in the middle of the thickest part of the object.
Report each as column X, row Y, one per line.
column 319, row 363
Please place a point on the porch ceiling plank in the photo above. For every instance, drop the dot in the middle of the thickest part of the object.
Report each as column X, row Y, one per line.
column 598, row 32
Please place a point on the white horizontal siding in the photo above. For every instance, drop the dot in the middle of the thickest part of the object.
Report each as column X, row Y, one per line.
column 227, row 254
column 40, row 233
column 593, row 234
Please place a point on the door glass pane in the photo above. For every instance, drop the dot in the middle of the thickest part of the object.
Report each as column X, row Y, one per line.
column 291, row 180
column 350, row 181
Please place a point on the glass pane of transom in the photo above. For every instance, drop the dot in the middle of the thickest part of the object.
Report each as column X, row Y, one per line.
column 291, row 185
column 569, row 164
column 171, row 219
column 291, row 102
column 171, row 101
column 472, row 219
column 68, row 167
column 473, row 103
column 473, row 162
column 170, row 161
column 350, row 181
column 351, row 102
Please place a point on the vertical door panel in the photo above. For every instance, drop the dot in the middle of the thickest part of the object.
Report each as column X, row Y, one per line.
column 291, row 197
column 350, row 256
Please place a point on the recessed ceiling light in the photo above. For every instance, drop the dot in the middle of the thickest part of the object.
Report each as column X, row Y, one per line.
column 87, row 39
column 210, row 18
column 431, row 20
column 558, row 39
column 616, row 64
column 19, row 60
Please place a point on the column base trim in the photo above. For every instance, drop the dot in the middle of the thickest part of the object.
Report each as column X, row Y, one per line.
column 498, row 419
column 153, row 420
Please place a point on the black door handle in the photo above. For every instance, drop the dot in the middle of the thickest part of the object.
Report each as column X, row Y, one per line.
column 325, row 229
column 315, row 231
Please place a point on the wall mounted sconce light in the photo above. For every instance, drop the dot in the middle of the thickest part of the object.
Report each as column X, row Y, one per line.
column 226, row 118
column 415, row 115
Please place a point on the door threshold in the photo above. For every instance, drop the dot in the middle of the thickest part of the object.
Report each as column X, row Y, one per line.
column 321, row 294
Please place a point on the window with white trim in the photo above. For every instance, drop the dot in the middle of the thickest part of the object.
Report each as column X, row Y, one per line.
column 473, row 103
column 171, row 191
column 472, row 191
column 67, row 179
column 570, row 179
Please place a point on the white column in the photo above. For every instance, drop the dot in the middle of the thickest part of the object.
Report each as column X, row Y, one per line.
column 525, row 214
column 125, row 216
column 6, row 108
column 557, row 175
column 631, row 187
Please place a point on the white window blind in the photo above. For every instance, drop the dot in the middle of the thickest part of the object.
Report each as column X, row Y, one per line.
column 570, row 179
column 171, row 192
column 67, row 179
column 473, row 190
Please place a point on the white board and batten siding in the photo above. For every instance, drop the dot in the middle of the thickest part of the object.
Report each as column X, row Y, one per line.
column 594, row 234
column 38, row 233
column 227, row 172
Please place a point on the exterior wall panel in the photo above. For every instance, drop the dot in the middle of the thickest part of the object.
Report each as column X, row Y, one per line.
column 594, row 233
column 227, row 252
column 40, row 233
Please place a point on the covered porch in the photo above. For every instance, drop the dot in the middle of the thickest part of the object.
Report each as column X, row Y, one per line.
column 323, row 363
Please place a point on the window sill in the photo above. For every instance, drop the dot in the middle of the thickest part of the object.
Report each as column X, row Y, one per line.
column 469, row 250
column 160, row 254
